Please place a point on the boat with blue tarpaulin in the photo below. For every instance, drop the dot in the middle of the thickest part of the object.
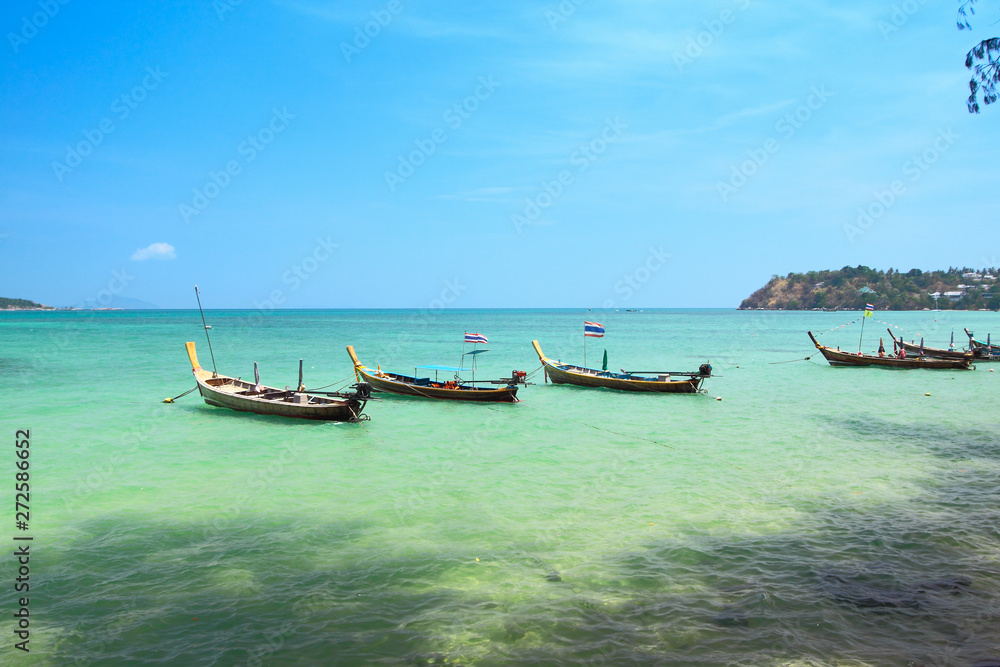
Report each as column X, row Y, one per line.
column 450, row 387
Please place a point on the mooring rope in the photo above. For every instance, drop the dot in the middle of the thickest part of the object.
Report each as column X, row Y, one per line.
column 171, row 400
column 344, row 381
column 534, row 372
column 772, row 363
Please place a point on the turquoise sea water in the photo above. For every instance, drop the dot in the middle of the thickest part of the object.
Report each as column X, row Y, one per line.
column 814, row 516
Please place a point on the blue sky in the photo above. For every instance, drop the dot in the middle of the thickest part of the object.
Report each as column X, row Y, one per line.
column 523, row 154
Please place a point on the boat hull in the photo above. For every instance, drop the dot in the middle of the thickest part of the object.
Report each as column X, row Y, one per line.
column 984, row 352
column 404, row 385
column 233, row 393
column 340, row 410
column 841, row 358
column 564, row 376
column 934, row 352
column 588, row 377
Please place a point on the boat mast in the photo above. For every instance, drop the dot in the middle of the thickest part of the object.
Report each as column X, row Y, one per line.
column 215, row 372
column 864, row 317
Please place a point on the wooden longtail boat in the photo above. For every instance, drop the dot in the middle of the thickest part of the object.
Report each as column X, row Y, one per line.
column 236, row 394
column 934, row 352
column 658, row 382
column 985, row 351
column 840, row 358
column 457, row 390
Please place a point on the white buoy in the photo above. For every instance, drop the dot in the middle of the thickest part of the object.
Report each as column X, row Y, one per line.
column 718, row 398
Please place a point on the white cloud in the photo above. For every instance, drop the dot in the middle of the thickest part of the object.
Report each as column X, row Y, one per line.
column 154, row 251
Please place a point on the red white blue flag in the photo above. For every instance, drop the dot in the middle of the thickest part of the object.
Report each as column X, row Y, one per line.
column 475, row 338
column 593, row 330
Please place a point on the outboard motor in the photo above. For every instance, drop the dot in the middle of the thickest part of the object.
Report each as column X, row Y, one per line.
column 705, row 370
column 362, row 391
column 519, row 377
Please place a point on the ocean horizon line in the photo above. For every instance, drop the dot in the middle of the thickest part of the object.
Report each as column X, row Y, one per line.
column 380, row 308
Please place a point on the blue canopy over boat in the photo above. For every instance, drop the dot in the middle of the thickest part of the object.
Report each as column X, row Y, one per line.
column 437, row 368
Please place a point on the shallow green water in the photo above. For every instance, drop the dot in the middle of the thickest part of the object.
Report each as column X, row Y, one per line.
column 815, row 515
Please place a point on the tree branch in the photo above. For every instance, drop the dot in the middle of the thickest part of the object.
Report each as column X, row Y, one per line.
column 964, row 9
column 984, row 61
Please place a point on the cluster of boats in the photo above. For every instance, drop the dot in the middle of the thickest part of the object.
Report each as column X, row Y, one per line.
column 244, row 396
column 427, row 381
column 348, row 406
column 913, row 355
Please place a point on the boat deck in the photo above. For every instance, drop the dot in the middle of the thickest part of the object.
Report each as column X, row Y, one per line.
column 237, row 387
column 581, row 370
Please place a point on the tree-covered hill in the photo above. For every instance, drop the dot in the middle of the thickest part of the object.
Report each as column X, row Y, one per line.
column 21, row 304
column 851, row 287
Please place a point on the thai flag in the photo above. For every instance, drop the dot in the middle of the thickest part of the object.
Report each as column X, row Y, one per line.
column 593, row 330
column 475, row 338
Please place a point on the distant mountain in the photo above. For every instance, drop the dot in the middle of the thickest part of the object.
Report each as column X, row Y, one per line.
column 132, row 304
column 21, row 304
column 851, row 288
column 123, row 303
